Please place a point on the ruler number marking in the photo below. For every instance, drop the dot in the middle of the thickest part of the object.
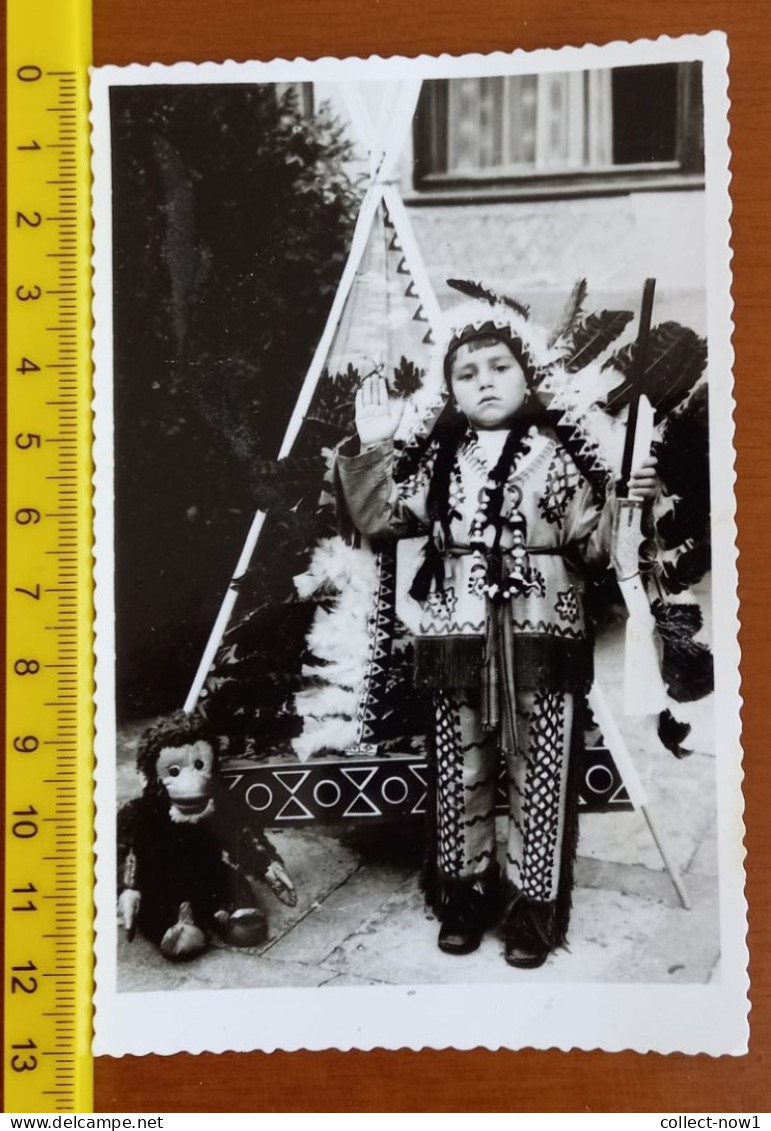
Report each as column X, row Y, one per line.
column 23, row 218
column 25, row 829
column 29, row 73
column 19, row 984
column 24, row 1063
column 25, row 744
column 27, row 516
column 26, row 667
column 33, row 146
column 33, row 593
column 28, row 294
column 27, row 440
column 29, row 906
column 27, row 366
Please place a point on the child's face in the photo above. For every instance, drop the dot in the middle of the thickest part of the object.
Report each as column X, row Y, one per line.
column 488, row 384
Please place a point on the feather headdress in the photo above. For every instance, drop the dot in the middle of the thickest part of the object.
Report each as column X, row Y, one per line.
column 549, row 362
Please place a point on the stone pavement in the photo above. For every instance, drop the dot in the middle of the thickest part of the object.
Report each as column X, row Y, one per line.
column 360, row 918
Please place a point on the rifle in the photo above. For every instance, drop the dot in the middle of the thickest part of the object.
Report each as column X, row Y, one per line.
column 644, row 691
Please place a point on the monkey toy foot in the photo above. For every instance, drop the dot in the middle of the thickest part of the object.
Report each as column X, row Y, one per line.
column 185, row 939
column 247, row 926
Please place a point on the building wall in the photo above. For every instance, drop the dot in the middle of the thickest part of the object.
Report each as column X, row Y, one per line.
column 536, row 250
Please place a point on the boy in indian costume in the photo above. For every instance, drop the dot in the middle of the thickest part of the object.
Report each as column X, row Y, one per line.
column 511, row 525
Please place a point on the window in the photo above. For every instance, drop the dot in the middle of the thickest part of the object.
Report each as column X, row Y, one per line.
column 576, row 132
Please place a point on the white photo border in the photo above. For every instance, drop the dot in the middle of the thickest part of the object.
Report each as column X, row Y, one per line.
column 709, row 1018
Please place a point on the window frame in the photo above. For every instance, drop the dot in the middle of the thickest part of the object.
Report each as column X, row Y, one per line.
column 432, row 185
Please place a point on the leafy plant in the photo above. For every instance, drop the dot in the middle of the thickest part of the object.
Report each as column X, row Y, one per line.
column 233, row 212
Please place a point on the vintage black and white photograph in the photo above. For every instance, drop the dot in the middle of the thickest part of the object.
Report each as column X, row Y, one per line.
column 417, row 673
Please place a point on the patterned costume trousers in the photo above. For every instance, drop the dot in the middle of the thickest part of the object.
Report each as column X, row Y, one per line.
column 468, row 770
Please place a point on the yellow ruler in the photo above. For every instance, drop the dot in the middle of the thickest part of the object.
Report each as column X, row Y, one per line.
column 48, row 734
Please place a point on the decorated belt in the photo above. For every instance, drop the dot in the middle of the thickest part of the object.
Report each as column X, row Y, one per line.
column 459, row 550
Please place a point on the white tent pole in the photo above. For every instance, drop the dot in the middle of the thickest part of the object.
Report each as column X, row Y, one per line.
column 369, row 208
column 406, row 107
column 362, row 125
column 225, row 613
column 401, row 119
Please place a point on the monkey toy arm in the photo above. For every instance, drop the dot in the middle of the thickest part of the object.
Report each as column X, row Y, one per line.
column 260, row 859
column 129, row 898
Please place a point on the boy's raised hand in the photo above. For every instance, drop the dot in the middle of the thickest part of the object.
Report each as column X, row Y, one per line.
column 377, row 413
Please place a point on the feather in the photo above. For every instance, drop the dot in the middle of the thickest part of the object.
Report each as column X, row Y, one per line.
column 407, row 378
column 687, row 521
column 592, row 335
column 335, row 566
column 332, row 404
column 687, row 568
column 339, row 644
column 683, row 453
column 687, row 667
column 570, row 314
column 324, row 735
column 672, row 733
column 476, row 290
column 323, row 702
column 676, row 358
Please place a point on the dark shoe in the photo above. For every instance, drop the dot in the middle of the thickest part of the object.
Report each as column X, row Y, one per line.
column 460, row 936
column 467, row 912
column 525, row 955
column 526, row 942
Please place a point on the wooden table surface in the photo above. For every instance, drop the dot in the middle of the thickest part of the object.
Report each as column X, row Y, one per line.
column 169, row 30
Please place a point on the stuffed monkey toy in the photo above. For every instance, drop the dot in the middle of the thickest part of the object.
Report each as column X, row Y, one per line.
column 188, row 864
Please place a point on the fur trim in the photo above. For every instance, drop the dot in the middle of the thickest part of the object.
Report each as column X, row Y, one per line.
column 335, row 566
column 326, row 701
column 180, row 818
column 339, row 642
column 321, row 735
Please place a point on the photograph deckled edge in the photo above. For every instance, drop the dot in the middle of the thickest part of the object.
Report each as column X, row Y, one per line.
column 692, row 1019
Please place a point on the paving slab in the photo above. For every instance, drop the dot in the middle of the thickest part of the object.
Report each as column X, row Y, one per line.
column 219, row 968
column 705, row 859
column 630, row 879
column 332, row 921
column 682, row 801
column 613, row 938
column 318, row 864
column 142, row 968
column 670, row 945
column 244, row 968
column 340, row 980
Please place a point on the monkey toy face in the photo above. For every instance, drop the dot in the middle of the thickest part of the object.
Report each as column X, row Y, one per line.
column 187, row 774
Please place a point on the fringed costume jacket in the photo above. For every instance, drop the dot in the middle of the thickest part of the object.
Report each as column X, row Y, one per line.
column 514, row 563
